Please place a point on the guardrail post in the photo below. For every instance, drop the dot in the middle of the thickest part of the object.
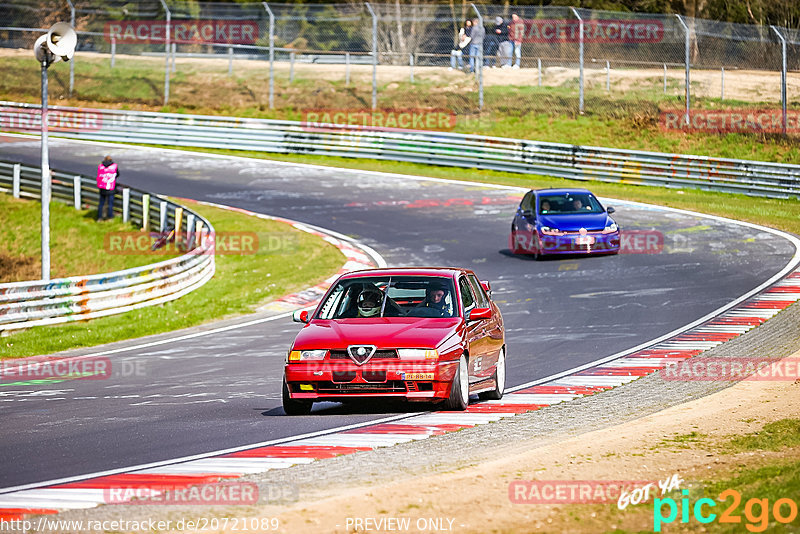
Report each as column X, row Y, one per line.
column 580, row 59
column 479, row 68
column 178, row 220
column 126, row 204
column 146, row 212
column 374, row 55
column 687, row 50
column 15, row 180
column 166, row 52
column 230, row 61
column 189, row 230
column 291, row 67
column 113, row 50
column 76, row 191
column 162, row 217
column 783, row 75
column 347, row 68
column 198, row 233
column 271, row 55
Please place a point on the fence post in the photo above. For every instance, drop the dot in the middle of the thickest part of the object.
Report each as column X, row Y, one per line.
column 722, row 82
column 113, row 50
column 291, row 67
column 126, row 204
column 166, row 52
column 174, row 53
column 76, row 191
column 539, row 67
column 230, row 61
column 411, row 65
column 687, row 52
column 608, row 76
column 347, row 68
column 580, row 59
column 146, row 212
column 271, row 55
column 162, row 219
column 15, row 180
column 374, row 55
column 783, row 76
column 71, row 63
column 665, row 78
column 479, row 69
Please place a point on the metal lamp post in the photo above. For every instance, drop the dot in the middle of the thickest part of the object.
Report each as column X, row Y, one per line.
column 57, row 44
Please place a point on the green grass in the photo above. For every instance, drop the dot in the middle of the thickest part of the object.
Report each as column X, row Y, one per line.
column 240, row 284
column 76, row 241
column 773, row 437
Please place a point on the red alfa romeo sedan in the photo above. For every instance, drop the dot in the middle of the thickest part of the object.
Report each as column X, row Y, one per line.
column 420, row 334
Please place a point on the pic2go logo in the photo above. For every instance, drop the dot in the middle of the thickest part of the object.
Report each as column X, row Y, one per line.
column 756, row 511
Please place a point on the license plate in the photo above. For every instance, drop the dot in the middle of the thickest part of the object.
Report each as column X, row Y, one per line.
column 417, row 376
column 584, row 240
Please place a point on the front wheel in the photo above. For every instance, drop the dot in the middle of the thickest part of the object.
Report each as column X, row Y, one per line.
column 294, row 407
column 459, row 390
column 499, row 379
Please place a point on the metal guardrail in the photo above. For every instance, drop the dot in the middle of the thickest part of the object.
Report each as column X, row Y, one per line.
column 417, row 146
column 35, row 303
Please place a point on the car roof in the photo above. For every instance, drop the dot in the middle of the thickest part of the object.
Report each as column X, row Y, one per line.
column 408, row 271
column 561, row 191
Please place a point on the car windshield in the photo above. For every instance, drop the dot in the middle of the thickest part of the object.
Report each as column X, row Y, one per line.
column 390, row 296
column 569, row 203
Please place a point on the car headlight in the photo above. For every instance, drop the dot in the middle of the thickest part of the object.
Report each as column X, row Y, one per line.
column 417, row 354
column 611, row 228
column 546, row 230
column 306, row 355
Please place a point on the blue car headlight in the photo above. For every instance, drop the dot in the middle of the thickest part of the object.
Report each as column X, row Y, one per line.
column 611, row 228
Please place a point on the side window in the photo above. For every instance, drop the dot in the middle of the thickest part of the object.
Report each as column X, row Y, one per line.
column 526, row 201
column 480, row 295
column 466, row 295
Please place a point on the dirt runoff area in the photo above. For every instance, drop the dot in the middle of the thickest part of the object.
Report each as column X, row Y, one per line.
column 477, row 498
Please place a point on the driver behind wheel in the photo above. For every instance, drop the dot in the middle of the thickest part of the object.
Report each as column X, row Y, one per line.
column 435, row 295
column 369, row 303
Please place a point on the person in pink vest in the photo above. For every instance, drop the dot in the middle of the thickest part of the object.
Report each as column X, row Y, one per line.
column 107, row 174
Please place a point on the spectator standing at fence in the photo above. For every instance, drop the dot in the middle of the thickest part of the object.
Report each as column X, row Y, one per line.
column 503, row 44
column 457, row 54
column 476, row 44
column 491, row 42
column 516, row 32
column 107, row 174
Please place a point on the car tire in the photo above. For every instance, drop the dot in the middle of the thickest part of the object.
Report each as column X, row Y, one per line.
column 294, row 407
column 459, row 391
column 499, row 378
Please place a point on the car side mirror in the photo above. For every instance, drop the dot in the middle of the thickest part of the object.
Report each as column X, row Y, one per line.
column 610, row 210
column 487, row 287
column 480, row 313
column 300, row 316
column 527, row 213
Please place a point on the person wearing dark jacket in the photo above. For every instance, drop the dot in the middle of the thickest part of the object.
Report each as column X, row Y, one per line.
column 107, row 174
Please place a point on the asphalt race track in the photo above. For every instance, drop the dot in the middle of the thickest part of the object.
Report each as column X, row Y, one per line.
column 220, row 391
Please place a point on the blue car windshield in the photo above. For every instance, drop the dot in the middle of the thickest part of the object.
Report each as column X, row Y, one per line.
column 390, row 296
column 572, row 203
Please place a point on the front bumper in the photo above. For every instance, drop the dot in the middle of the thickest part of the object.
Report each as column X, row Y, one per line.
column 589, row 243
column 412, row 380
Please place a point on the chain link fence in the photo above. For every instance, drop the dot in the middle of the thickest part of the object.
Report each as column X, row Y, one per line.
column 341, row 61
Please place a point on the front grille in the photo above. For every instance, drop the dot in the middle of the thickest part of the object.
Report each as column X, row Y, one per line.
column 343, row 376
column 393, row 386
column 379, row 355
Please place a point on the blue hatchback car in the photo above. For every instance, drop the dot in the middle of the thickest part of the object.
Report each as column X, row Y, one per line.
column 563, row 221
